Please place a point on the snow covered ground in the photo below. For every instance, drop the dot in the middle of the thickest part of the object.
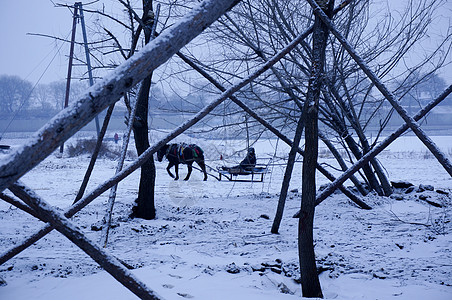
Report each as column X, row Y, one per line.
column 212, row 240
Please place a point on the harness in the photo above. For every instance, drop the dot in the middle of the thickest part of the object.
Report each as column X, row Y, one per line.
column 177, row 150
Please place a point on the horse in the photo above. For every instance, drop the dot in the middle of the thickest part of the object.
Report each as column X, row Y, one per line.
column 182, row 154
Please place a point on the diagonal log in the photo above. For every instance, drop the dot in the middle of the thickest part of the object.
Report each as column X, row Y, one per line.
column 413, row 125
column 150, row 151
column 19, row 204
column 31, row 211
column 106, row 222
column 66, row 227
column 378, row 148
column 95, row 154
column 109, row 90
column 288, row 173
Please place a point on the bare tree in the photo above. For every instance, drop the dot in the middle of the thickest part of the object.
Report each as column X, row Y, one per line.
column 352, row 110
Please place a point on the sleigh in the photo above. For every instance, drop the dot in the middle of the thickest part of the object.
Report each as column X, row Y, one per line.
column 243, row 175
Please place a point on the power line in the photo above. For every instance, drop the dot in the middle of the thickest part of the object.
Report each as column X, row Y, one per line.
column 34, row 86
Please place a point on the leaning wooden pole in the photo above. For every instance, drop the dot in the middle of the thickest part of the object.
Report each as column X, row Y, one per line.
column 19, row 205
column 109, row 90
column 106, row 221
column 288, row 175
column 414, row 126
column 95, row 154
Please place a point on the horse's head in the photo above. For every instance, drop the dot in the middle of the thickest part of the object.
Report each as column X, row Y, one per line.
column 161, row 152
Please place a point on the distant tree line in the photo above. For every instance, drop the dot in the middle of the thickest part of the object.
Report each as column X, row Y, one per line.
column 18, row 97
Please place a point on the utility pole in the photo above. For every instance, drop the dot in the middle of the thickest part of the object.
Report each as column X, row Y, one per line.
column 78, row 13
column 88, row 61
column 71, row 58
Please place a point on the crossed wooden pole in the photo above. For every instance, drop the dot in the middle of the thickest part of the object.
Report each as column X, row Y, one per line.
column 113, row 87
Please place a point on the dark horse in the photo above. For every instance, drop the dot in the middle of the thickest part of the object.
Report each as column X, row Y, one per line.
column 182, row 154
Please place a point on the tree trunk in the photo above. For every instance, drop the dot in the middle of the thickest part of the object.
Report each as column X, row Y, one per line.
column 144, row 206
column 309, row 277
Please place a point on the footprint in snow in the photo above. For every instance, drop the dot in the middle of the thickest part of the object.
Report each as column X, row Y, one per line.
column 185, row 295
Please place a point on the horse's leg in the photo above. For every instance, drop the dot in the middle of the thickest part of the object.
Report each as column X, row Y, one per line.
column 203, row 168
column 190, row 168
column 168, row 170
column 176, row 170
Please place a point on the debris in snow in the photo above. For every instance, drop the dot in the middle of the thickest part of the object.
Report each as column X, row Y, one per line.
column 232, row 268
column 436, row 204
column 272, row 265
column 423, row 197
column 425, row 187
column 97, row 226
column 409, row 190
column 258, row 268
column 396, row 196
column 284, row 289
column 168, row 286
column 442, row 192
column 379, row 275
column 401, row 184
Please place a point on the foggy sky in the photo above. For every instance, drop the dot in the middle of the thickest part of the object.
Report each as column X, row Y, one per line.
column 28, row 56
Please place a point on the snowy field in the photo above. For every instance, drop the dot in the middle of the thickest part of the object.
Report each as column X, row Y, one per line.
column 212, row 240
